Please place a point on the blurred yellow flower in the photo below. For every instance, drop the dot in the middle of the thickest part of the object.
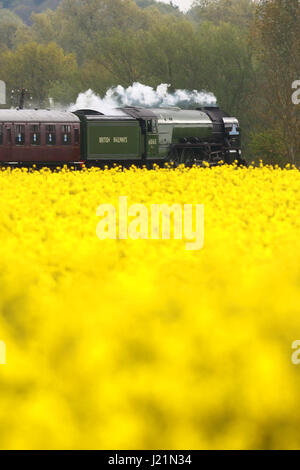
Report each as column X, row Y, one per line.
column 141, row 344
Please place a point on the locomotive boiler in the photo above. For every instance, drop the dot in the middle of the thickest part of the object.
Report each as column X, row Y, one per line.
column 133, row 135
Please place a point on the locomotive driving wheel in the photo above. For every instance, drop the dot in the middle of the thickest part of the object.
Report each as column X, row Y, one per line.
column 181, row 156
column 175, row 157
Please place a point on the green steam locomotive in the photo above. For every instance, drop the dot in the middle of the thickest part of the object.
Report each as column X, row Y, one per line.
column 167, row 134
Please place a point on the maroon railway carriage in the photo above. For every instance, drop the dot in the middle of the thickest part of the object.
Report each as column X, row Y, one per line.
column 39, row 136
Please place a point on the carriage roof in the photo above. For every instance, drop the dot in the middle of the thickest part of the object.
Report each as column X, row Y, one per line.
column 40, row 115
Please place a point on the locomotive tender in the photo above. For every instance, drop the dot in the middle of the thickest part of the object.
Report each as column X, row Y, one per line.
column 135, row 136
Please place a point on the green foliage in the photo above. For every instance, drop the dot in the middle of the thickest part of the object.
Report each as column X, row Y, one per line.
column 24, row 8
column 163, row 8
column 38, row 68
column 238, row 12
column 268, row 146
column 276, row 43
column 228, row 65
column 9, row 24
column 8, row 16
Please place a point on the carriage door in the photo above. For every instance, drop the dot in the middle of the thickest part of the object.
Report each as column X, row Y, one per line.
column 6, row 155
column 151, row 139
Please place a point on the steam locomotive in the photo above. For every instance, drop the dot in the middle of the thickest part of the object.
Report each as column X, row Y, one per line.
column 135, row 135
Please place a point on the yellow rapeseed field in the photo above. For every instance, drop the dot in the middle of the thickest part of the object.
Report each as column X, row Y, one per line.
column 142, row 344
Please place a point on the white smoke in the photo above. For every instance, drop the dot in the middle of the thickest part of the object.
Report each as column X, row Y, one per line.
column 90, row 100
column 141, row 95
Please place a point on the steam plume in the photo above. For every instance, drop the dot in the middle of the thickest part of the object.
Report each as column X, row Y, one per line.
column 141, row 95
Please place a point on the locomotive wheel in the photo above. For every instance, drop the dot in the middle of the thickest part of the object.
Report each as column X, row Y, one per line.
column 189, row 157
column 175, row 157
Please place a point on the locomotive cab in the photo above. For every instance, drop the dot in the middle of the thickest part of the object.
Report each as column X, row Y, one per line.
column 149, row 127
column 151, row 138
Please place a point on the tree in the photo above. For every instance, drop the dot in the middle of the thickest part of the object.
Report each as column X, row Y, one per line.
column 163, row 8
column 9, row 24
column 173, row 54
column 37, row 67
column 24, row 8
column 228, row 67
column 276, row 40
column 238, row 12
column 164, row 50
column 89, row 21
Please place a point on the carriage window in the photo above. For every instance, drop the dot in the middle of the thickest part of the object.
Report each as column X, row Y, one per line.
column 35, row 135
column 20, row 134
column 66, row 135
column 50, row 134
column 8, row 135
column 76, row 136
column 1, row 134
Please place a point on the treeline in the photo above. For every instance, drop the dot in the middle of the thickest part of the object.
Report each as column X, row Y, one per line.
column 25, row 8
column 246, row 53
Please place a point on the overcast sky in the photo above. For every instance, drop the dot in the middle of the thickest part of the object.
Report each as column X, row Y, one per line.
column 183, row 4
